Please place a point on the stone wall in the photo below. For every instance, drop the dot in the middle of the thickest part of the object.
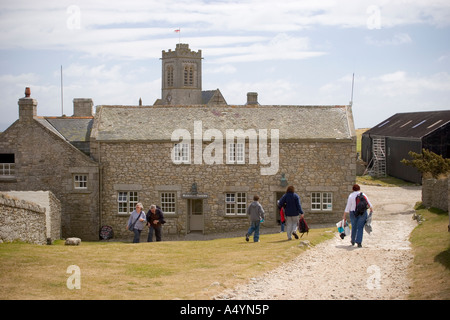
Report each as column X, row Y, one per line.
column 147, row 169
column 52, row 206
column 21, row 220
column 436, row 193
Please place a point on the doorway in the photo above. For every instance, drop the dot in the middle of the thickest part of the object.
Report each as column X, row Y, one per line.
column 195, row 212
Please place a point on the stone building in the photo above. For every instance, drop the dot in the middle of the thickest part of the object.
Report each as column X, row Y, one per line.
column 191, row 153
column 52, row 154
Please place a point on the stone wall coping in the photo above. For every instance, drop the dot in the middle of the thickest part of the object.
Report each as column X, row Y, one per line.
column 16, row 203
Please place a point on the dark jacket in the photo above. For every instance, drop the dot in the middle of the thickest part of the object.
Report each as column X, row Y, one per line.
column 158, row 215
column 290, row 201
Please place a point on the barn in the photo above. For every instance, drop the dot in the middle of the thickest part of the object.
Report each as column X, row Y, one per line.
column 386, row 144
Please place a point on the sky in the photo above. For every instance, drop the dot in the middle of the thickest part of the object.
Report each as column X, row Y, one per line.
column 290, row 52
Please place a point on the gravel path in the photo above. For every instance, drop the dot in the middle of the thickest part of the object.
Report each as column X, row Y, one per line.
column 336, row 270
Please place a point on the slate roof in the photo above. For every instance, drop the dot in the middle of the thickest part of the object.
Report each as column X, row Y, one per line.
column 77, row 131
column 73, row 129
column 156, row 123
column 411, row 124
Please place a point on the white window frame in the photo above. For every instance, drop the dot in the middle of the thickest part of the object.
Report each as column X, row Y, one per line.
column 182, row 153
column 321, row 201
column 236, row 203
column 236, row 153
column 168, row 202
column 7, row 169
column 126, row 201
column 80, row 181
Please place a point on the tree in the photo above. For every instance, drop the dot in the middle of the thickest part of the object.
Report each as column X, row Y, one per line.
column 428, row 162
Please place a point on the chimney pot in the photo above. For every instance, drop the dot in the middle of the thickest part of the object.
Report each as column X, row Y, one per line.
column 27, row 107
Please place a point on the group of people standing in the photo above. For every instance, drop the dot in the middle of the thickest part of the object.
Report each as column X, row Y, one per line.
column 154, row 219
column 291, row 211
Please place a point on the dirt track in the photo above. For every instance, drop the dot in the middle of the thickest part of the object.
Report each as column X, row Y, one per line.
column 336, row 270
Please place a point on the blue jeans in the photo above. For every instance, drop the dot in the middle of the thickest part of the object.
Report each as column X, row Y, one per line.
column 357, row 226
column 137, row 235
column 254, row 227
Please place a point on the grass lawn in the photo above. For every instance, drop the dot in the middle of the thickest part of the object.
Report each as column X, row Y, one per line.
column 387, row 181
column 157, row 270
column 430, row 271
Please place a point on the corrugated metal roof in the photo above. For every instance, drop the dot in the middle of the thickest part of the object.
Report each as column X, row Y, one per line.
column 411, row 124
column 157, row 123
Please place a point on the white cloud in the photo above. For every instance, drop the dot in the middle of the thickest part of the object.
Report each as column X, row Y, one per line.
column 378, row 97
column 110, row 28
column 280, row 47
column 222, row 69
column 114, row 53
column 397, row 39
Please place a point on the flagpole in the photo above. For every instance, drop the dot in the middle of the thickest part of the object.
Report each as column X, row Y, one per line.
column 179, row 34
column 62, row 95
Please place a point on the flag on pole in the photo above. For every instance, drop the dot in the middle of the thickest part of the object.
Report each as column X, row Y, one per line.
column 179, row 34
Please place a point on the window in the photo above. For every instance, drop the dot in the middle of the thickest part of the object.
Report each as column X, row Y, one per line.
column 236, row 153
column 434, row 124
column 168, row 202
column 322, row 201
column 421, row 122
column 80, row 181
column 127, row 201
column 188, row 76
column 170, row 76
column 181, row 153
column 381, row 125
column 236, row 203
column 405, row 123
column 7, row 164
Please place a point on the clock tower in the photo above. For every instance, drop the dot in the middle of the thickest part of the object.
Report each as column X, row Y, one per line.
column 181, row 76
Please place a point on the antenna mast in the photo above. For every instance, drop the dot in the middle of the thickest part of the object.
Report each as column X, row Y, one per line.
column 353, row 82
column 62, row 95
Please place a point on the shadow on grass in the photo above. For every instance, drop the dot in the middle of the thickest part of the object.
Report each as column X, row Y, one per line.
column 443, row 258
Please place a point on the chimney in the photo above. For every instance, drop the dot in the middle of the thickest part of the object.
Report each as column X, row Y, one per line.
column 252, row 98
column 27, row 107
column 82, row 107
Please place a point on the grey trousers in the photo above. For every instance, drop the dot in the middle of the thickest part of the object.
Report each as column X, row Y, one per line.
column 291, row 225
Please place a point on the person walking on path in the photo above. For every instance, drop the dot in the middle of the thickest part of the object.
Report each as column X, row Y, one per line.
column 357, row 221
column 290, row 201
column 136, row 222
column 256, row 213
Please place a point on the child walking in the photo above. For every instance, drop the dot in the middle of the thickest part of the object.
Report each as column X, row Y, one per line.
column 256, row 213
